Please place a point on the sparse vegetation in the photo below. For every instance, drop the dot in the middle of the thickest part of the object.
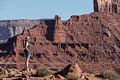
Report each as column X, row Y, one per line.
column 42, row 72
column 110, row 75
column 71, row 77
column 54, row 69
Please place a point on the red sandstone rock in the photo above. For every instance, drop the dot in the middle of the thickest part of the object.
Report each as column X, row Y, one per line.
column 72, row 70
column 88, row 39
column 107, row 6
column 59, row 33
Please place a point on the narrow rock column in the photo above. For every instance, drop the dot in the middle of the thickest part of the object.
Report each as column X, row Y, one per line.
column 59, row 33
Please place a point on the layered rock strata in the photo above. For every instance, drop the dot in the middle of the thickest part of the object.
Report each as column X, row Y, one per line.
column 91, row 40
column 107, row 6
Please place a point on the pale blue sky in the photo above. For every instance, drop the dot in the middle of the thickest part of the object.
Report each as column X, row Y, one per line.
column 39, row 9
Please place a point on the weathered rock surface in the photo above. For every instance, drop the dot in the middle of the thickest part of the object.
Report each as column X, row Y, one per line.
column 108, row 6
column 72, row 70
column 91, row 40
column 3, row 71
column 11, row 28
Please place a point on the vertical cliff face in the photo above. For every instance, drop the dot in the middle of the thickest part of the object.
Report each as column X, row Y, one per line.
column 11, row 28
column 107, row 6
column 59, row 33
column 102, row 5
column 37, row 36
column 87, row 39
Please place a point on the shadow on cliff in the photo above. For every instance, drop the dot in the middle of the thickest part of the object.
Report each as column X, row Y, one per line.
column 50, row 29
column 7, row 49
column 4, row 33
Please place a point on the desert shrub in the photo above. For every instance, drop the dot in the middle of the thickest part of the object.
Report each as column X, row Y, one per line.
column 42, row 72
column 71, row 77
column 110, row 75
column 54, row 69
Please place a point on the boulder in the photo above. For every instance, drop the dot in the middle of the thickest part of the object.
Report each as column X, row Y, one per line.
column 72, row 70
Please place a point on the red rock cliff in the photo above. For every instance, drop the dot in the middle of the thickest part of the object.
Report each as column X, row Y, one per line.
column 107, row 6
column 87, row 39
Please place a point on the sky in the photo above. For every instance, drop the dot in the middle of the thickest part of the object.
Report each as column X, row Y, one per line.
column 43, row 9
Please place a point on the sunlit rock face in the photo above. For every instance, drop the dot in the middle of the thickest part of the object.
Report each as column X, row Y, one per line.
column 107, row 6
column 59, row 32
column 92, row 40
column 86, row 39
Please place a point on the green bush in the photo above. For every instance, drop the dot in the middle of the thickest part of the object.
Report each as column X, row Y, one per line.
column 42, row 72
column 71, row 77
column 110, row 75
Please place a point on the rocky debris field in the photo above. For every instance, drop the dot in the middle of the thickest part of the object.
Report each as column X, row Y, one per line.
column 70, row 72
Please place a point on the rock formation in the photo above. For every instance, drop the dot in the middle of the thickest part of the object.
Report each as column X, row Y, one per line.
column 37, row 37
column 59, row 34
column 11, row 28
column 107, row 6
column 92, row 40
column 88, row 39
column 72, row 70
